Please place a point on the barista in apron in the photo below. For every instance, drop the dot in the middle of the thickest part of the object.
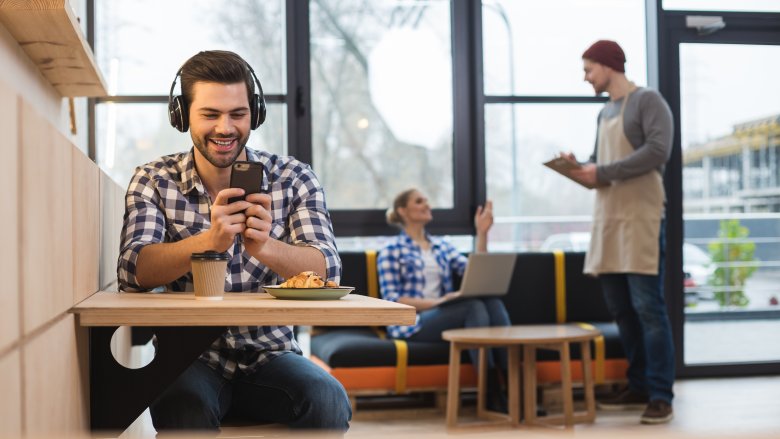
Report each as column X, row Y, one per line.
column 627, row 214
column 627, row 239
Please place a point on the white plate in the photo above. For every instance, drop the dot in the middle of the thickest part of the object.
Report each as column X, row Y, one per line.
column 324, row 293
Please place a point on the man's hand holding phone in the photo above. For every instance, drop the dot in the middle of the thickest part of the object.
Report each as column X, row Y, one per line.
column 258, row 222
column 249, row 177
column 227, row 219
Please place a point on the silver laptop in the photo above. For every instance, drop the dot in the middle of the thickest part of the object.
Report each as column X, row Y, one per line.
column 487, row 274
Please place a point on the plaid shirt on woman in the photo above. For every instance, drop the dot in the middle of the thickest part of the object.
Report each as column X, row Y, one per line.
column 400, row 268
column 167, row 202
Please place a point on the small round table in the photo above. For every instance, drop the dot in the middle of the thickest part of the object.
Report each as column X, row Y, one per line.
column 530, row 338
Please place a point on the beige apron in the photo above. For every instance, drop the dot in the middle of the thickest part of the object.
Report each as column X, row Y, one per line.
column 627, row 213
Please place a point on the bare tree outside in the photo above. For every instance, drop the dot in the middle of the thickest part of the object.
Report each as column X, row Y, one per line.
column 358, row 155
column 129, row 135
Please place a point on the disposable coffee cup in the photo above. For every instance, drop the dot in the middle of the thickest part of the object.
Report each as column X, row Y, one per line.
column 208, row 274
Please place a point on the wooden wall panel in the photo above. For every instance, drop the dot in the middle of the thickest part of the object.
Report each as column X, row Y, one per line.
column 47, row 230
column 10, row 402
column 86, row 223
column 111, row 211
column 55, row 391
column 9, row 222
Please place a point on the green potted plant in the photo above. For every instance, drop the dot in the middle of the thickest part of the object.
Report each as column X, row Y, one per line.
column 733, row 255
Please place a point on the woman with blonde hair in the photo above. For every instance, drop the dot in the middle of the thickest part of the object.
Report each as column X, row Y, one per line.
column 416, row 269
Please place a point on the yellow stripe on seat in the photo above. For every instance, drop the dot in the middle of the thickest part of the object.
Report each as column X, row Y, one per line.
column 401, row 348
column 371, row 274
column 401, row 364
column 560, row 286
column 373, row 286
column 600, row 353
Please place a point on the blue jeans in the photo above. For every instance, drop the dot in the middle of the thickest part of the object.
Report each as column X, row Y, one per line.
column 636, row 301
column 465, row 313
column 288, row 390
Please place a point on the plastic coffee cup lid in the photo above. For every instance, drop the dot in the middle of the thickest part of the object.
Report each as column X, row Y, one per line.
column 210, row 255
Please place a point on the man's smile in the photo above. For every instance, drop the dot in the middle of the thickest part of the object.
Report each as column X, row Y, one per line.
column 223, row 144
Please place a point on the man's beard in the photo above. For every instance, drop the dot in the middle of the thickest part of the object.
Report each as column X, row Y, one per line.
column 600, row 89
column 218, row 161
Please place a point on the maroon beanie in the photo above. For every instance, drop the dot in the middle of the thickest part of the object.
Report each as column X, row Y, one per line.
column 608, row 53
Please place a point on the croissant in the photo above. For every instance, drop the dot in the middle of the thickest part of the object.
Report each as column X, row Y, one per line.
column 307, row 279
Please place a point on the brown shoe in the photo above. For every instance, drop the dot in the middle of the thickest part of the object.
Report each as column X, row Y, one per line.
column 625, row 400
column 657, row 412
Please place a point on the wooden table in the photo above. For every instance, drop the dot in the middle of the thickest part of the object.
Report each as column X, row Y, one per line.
column 185, row 328
column 529, row 338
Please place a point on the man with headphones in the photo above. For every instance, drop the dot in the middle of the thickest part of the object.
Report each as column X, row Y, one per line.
column 178, row 205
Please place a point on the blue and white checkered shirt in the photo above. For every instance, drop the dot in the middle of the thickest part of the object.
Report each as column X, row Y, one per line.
column 167, row 202
column 400, row 269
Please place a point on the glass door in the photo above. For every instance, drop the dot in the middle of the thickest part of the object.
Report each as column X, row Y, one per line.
column 730, row 128
column 727, row 101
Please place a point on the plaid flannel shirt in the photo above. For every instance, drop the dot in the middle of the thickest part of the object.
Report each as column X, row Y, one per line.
column 167, row 202
column 400, row 269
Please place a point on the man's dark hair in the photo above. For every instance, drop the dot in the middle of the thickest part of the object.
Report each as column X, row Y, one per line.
column 220, row 66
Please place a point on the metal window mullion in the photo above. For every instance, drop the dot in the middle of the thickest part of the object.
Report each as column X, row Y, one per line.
column 542, row 99
column 299, row 114
column 465, row 160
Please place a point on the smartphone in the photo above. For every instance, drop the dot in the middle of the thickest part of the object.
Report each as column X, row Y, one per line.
column 248, row 176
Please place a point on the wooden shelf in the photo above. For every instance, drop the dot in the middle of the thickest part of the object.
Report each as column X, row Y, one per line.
column 48, row 31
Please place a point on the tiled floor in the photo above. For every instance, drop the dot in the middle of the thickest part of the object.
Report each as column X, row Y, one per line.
column 745, row 407
column 704, row 408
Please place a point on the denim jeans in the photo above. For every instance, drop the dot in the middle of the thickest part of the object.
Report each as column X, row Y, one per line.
column 636, row 301
column 288, row 390
column 465, row 313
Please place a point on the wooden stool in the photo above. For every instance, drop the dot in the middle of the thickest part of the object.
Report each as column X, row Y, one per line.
column 529, row 338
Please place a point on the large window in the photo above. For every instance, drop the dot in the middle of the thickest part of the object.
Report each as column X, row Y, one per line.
column 381, row 77
column 382, row 97
column 537, row 105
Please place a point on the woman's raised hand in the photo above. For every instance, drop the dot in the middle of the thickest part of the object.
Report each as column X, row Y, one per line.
column 483, row 219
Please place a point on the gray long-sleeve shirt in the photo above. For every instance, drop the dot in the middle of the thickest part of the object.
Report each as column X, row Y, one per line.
column 649, row 127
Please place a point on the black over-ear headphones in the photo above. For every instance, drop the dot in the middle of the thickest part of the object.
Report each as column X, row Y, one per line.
column 178, row 109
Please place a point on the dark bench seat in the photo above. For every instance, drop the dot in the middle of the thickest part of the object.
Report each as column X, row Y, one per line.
column 546, row 288
column 367, row 363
